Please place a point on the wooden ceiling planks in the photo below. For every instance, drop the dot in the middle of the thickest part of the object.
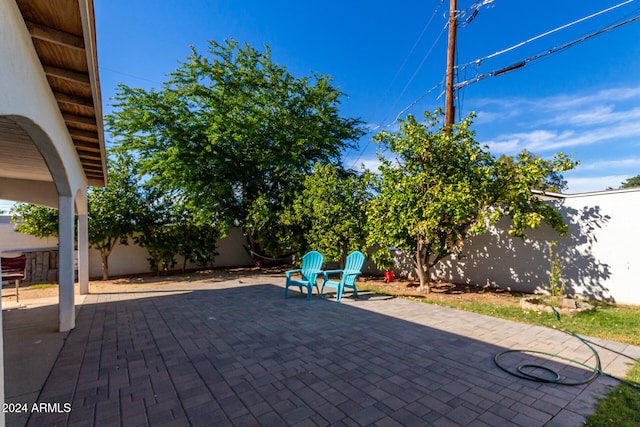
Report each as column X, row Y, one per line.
column 58, row 37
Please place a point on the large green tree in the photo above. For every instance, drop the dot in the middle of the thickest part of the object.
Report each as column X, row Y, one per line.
column 553, row 182
column 332, row 208
column 438, row 188
column 234, row 133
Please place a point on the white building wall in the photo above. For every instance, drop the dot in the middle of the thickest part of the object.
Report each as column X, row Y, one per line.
column 599, row 255
column 132, row 259
column 10, row 239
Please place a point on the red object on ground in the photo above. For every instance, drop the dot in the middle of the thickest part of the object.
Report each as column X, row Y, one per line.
column 388, row 276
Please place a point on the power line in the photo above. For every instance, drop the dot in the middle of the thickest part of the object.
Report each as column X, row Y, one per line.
column 477, row 61
column 397, row 74
column 524, row 62
column 128, row 75
column 413, row 48
column 404, row 110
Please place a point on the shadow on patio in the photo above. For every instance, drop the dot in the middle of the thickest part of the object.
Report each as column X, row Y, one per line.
column 238, row 353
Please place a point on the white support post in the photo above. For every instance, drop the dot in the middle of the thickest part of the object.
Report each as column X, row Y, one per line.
column 66, row 258
column 83, row 254
column 2, row 420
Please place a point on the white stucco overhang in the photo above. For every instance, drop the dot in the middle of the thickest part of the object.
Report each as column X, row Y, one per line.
column 51, row 132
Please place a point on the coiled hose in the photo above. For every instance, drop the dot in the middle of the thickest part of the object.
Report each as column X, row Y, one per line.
column 527, row 371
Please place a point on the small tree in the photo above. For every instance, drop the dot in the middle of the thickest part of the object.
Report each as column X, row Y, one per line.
column 35, row 220
column 114, row 209
column 333, row 202
column 443, row 187
column 155, row 229
column 631, row 182
column 197, row 237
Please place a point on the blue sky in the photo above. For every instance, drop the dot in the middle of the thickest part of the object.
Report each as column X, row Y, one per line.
column 583, row 100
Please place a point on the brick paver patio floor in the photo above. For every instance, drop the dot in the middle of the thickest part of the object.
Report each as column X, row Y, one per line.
column 235, row 352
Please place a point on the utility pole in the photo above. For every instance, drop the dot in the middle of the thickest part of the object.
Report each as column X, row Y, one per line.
column 449, row 109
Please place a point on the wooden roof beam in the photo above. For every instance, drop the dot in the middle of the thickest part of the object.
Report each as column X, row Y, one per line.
column 48, row 34
column 84, row 155
column 86, row 146
column 91, row 168
column 71, row 76
column 83, row 135
column 79, row 120
column 72, row 99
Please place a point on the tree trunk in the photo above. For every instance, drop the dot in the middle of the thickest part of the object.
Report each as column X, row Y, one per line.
column 254, row 246
column 343, row 257
column 423, row 275
column 105, row 264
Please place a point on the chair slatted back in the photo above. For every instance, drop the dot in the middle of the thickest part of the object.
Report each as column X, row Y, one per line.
column 14, row 265
column 311, row 263
column 353, row 267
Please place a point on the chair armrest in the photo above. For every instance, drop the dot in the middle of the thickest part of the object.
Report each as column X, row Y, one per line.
column 290, row 272
column 326, row 273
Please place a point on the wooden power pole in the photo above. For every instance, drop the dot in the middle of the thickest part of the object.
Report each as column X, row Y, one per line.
column 449, row 109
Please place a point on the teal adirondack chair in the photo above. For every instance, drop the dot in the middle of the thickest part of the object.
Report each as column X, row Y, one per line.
column 311, row 269
column 352, row 269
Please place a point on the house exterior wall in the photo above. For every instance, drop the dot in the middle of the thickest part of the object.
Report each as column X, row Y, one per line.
column 27, row 100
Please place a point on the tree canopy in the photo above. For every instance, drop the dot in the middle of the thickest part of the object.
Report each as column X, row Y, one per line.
column 442, row 187
column 631, row 182
column 332, row 209
column 234, row 133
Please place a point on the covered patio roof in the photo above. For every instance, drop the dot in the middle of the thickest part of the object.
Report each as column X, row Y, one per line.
column 63, row 35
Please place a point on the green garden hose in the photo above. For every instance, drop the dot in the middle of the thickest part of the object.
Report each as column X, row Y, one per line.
column 527, row 370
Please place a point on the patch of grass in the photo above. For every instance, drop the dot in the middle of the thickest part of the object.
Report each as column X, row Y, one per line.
column 612, row 322
column 42, row 286
column 622, row 406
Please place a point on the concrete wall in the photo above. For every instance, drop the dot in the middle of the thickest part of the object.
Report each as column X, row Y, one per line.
column 600, row 254
column 11, row 239
column 131, row 259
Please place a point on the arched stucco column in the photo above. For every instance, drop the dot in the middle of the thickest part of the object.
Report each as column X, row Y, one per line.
column 83, row 242
column 66, row 260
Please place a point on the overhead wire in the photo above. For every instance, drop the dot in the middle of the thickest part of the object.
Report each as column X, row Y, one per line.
column 524, row 62
column 408, row 83
column 562, row 27
column 413, row 48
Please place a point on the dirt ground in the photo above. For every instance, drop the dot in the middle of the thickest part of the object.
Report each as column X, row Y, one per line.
column 442, row 291
column 399, row 287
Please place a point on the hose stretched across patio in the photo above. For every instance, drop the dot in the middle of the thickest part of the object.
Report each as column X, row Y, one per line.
column 526, row 370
